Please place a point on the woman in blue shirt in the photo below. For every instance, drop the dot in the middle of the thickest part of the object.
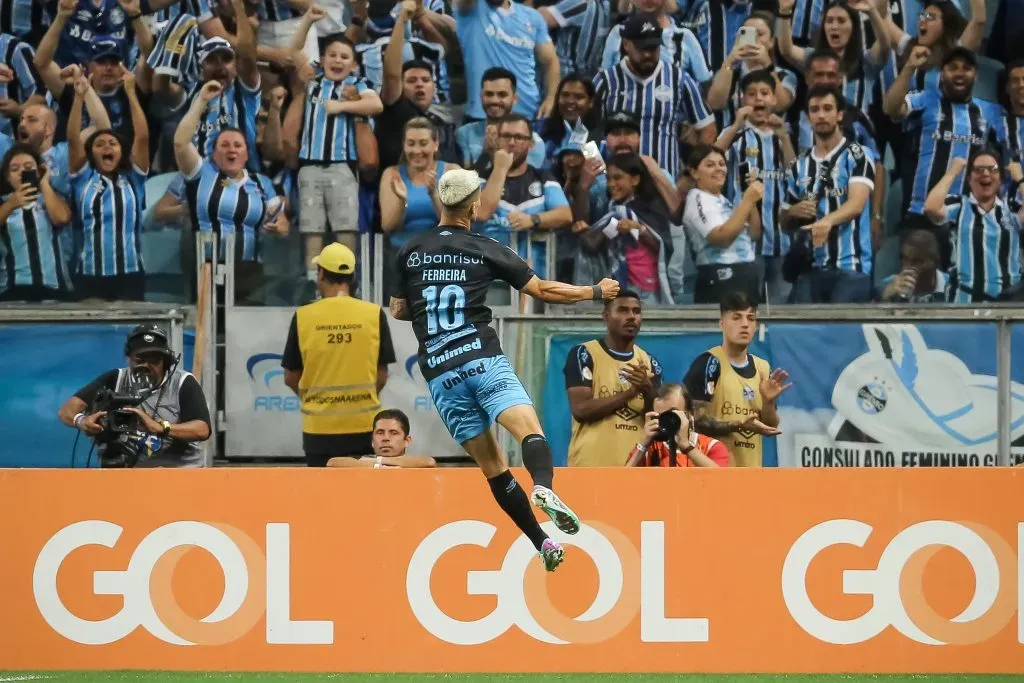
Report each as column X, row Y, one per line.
column 32, row 264
column 109, row 191
column 984, row 225
column 408, row 204
column 225, row 198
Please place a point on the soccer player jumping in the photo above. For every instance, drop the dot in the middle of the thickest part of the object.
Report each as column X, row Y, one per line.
column 443, row 278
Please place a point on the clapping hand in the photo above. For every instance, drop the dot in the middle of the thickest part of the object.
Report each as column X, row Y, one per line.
column 774, row 384
column 640, row 378
column 430, row 179
column 399, row 188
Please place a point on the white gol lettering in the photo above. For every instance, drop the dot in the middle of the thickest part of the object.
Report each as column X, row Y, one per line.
column 883, row 583
column 133, row 583
column 507, row 584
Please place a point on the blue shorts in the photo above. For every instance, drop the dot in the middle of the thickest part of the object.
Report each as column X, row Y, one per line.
column 472, row 396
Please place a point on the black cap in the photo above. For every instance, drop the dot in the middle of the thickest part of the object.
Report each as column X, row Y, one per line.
column 147, row 339
column 643, row 30
column 961, row 52
column 622, row 119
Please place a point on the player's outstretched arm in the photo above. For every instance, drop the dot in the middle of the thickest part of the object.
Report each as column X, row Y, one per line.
column 554, row 292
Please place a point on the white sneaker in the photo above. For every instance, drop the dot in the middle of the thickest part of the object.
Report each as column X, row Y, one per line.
column 564, row 518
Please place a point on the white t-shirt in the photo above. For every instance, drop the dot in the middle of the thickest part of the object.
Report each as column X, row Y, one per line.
column 705, row 212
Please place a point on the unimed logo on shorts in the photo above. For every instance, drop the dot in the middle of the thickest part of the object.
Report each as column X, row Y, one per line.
column 629, row 581
column 898, row 589
column 254, row 584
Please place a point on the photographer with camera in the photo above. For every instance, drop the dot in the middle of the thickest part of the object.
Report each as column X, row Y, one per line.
column 149, row 414
column 670, row 440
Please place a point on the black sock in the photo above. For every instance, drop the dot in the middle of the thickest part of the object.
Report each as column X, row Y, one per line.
column 516, row 504
column 537, row 460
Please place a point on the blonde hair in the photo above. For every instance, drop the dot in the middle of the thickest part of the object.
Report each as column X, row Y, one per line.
column 418, row 123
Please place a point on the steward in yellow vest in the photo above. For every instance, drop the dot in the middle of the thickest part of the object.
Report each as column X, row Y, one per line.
column 336, row 359
column 734, row 391
column 611, row 384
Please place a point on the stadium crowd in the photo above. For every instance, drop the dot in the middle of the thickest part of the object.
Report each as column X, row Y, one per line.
column 793, row 150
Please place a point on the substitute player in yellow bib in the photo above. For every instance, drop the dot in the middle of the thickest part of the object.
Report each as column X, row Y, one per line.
column 734, row 391
column 611, row 384
column 336, row 360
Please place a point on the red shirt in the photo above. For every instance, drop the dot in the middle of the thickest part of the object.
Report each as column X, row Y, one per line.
column 658, row 454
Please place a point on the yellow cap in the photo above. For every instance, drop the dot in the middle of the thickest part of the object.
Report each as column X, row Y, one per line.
column 337, row 258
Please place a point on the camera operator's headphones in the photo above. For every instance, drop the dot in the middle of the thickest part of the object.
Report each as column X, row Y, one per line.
column 150, row 339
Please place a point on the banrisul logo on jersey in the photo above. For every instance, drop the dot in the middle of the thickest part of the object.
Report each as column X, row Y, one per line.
column 418, row 259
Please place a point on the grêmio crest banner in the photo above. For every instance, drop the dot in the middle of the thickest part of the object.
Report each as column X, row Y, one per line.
column 893, row 395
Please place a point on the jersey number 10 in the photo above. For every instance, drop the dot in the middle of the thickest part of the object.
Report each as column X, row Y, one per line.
column 445, row 309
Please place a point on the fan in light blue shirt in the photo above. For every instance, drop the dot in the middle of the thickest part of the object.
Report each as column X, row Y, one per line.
column 512, row 35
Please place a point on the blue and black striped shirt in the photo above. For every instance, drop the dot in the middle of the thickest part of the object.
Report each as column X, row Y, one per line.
column 661, row 102
column 222, row 205
column 17, row 55
column 30, row 251
column 948, row 130
column 761, row 152
column 25, row 17
column 715, row 23
column 326, row 138
column 828, row 181
column 108, row 212
column 582, row 29
column 986, row 248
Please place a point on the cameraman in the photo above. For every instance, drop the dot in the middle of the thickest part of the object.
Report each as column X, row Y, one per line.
column 670, row 424
column 158, row 411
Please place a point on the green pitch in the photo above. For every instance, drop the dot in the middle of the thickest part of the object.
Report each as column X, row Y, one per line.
column 219, row 677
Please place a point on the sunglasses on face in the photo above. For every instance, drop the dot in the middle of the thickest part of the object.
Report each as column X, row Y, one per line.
column 928, row 16
column 992, row 170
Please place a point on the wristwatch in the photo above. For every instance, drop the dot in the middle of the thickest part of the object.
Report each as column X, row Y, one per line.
column 687, row 450
column 535, row 219
column 167, row 428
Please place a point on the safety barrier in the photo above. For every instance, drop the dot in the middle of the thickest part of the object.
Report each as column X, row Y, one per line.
column 675, row 570
column 878, row 385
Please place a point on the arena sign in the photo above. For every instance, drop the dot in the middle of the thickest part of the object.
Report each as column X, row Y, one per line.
column 785, row 570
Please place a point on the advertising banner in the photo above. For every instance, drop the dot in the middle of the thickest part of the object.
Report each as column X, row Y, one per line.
column 264, row 416
column 863, row 395
column 682, row 570
column 893, row 395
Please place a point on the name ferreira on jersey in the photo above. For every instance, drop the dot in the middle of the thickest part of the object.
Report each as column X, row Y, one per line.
column 443, row 275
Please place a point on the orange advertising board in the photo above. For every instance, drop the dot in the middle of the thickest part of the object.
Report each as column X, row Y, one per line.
column 890, row 570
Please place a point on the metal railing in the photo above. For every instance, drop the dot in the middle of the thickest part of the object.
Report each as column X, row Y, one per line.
column 510, row 327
